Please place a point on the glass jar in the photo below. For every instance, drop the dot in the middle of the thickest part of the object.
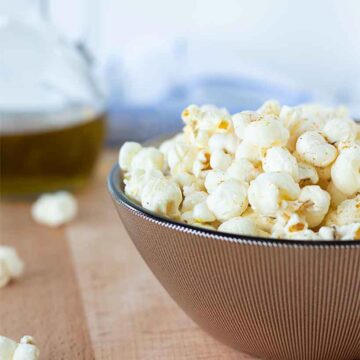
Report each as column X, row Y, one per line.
column 52, row 112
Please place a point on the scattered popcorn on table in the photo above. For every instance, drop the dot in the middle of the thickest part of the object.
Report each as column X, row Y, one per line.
column 25, row 350
column 281, row 172
column 54, row 209
column 11, row 265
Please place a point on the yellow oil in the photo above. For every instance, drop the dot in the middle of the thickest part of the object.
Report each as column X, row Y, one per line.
column 44, row 160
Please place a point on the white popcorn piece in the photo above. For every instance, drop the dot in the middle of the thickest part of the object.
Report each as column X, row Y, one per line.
column 225, row 142
column 11, row 266
column 241, row 120
column 349, row 231
column 303, row 235
column 315, row 204
column 193, row 198
column 240, row 226
column 135, row 181
column 25, row 350
column 202, row 213
column 280, row 159
column 148, row 158
column 55, row 209
column 268, row 192
column 345, row 172
column 307, row 173
column 263, row 222
column 314, row 149
column 228, row 200
column 162, row 196
column 191, row 115
column 219, row 160
column 245, row 150
column 336, row 195
column 242, row 170
column 346, row 213
column 181, row 157
column 339, row 130
column 285, row 226
column 183, row 179
column 266, row 133
column 201, row 163
column 213, row 179
column 324, row 174
column 127, row 153
column 327, row 233
column 215, row 120
column 270, row 107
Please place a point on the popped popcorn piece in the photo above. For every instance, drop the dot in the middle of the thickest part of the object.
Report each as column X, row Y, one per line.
column 201, row 163
column 241, row 120
column 345, row 172
column 241, row 170
column 240, row 226
column 327, row 233
column 346, row 213
column 314, row 149
column 245, row 150
column 147, row 158
column 54, row 209
column 213, row 179
column 193, row 198
column 25, row 350
column 162, row 196
column 266, row 133
column 349, row 231
column 228, row 200
column 225, row 142
column 11, row 266
column 220, row 160
column 336, row 195
column 315, row 204
column 270, row 107
column 268, row 192
column 339, row 130
column 202, row 213
column 127, row 153
column 307, row 173
column 181, row 157
column 286, row 225
column 280, row 159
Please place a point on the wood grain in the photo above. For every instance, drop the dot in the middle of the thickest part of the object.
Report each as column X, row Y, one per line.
column 87, row 294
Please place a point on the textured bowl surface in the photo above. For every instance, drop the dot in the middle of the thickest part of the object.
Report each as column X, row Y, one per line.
column 277, row 299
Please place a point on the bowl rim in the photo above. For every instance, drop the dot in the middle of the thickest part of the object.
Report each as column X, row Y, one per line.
column 113, row 185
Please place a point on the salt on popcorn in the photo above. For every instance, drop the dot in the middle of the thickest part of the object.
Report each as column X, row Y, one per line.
column 281, row 172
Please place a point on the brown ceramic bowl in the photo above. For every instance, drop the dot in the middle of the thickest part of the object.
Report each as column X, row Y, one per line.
column 277, row 299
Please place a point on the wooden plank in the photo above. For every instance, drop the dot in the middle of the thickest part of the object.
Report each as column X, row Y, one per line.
column 87, row 293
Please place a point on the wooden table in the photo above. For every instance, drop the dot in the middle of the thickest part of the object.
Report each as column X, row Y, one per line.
column 87, row 294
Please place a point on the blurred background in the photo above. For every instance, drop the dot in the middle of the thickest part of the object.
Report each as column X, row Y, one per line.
column 138, row 63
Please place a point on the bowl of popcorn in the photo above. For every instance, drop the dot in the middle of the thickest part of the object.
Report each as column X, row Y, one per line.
column 251, row 222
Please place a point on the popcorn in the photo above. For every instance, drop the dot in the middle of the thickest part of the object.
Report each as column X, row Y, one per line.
column 268, row 192
column 213, row 179
column 127, row 153
column 25, row 350
column 315, row 204
column 219, row 160
column 54, row 209
column 162, row 196
column 314, row 149
column 11, row 266
column 345, row 172
column 346, row 213
column 146, row 159
column 228, row 200
column 225, row 142
column 339, row 130
column 280, row 159
column 307, row 173
column 240, row 226
column 297, row 167
column 241, row 170
column 266, row 133
column 241, row 120
column 202, row 213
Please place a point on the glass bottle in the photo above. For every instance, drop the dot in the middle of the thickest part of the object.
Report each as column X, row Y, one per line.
column 52, row 112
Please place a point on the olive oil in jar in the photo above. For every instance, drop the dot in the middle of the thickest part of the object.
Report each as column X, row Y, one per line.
column 46, row 152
